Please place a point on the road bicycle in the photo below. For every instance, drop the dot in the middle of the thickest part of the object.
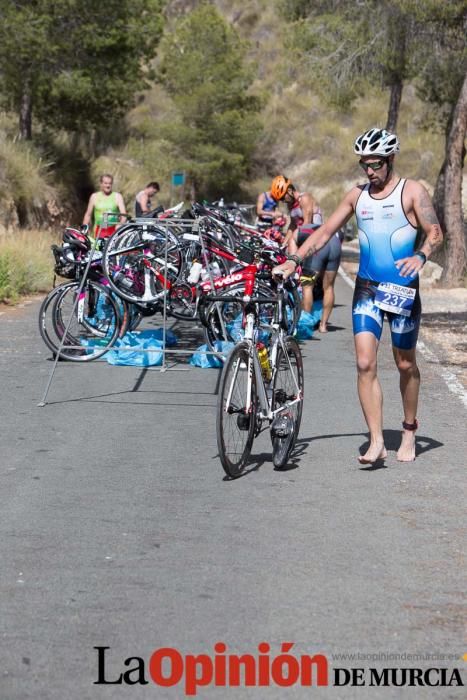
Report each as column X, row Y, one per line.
column 260, row 388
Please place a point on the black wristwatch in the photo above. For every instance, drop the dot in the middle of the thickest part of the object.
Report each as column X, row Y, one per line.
column 295, row 258
column 421, row 255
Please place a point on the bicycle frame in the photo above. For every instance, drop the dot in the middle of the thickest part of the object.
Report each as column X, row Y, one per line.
column 254, row 366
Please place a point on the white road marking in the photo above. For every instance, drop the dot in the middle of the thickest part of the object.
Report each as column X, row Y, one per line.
column 345, row 277
column 452, row 382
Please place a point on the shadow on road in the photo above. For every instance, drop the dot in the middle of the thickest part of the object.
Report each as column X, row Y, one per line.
column 257, row 461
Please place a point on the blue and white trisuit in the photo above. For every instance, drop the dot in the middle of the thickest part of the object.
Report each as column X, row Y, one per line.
column 385, row 235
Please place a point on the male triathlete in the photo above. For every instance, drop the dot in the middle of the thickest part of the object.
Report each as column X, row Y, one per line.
column 388, row 210
column 105, row 207
column 143, row 203
column 266, row 207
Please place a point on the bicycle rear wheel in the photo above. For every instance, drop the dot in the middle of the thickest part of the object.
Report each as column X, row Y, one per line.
column 287, row 388
column 236, row 420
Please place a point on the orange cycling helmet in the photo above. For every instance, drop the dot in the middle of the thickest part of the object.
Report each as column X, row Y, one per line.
column 279, row 186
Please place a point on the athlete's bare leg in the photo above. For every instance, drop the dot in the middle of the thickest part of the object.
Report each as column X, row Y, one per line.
column 409, row 385
column 329, row 278
column 307, row 297
column 370, row 395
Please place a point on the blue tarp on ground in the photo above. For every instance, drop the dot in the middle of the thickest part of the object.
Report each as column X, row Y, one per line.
column 150, row 340
column 200, row 358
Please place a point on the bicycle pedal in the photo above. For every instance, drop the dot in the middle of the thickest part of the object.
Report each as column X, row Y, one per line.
column 282, row 426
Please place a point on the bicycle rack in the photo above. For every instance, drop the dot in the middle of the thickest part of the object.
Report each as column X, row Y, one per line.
column 194, row 230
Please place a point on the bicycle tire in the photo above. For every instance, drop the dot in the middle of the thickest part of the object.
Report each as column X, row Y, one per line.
column 284, row 388
column 235, row 427
column 96, row 328
column 46, row 326
column 125, row 259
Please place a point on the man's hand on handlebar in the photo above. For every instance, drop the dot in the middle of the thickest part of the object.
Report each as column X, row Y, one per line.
column 285, row 270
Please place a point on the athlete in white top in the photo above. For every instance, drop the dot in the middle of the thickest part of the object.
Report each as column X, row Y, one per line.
column 388, row 210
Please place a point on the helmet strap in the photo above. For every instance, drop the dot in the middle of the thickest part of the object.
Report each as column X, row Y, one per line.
column 390, row 168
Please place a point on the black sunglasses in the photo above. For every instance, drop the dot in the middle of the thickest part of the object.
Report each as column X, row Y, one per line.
column 376, row 165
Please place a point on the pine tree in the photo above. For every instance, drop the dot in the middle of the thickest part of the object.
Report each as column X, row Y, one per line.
column 203, row 69
column 75, row 64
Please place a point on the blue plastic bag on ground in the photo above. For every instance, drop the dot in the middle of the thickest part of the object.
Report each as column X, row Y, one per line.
column 149, row 340
column 305, row 327
column 157, row 334
column 200, row 358
column 122, row 354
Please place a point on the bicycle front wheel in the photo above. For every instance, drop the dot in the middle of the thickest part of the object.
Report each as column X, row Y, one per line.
column 236, row 411
column 288, row 397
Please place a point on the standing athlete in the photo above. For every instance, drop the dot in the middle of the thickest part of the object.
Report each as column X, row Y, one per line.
column 266, row 207
column 143, row 204
column 105, row 207
column 388, row 209
column 305, row 218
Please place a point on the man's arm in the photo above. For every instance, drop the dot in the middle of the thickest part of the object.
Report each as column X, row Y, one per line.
column 338, row 218
column 317, row 240
column 88, row 213
column 428, row 222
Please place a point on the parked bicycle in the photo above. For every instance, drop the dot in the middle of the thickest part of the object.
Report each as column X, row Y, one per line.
column 260, row 388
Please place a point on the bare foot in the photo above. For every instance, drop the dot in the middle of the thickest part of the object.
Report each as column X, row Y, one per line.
column 406, row 452
column 376, row 451
column 323, row 328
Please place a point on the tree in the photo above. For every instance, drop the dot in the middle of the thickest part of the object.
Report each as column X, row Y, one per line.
column 456, row 257
column 75, row 64
column 348, row 45
column 203, row 69
column 351, row 44
column 441, row 53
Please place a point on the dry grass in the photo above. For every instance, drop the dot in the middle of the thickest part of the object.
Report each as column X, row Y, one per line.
column 24, row 172
column 26, row 264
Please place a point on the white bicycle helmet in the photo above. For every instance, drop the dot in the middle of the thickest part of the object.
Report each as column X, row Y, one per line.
column 376, row 142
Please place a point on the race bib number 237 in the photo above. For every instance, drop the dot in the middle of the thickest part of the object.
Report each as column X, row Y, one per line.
column 395, row 298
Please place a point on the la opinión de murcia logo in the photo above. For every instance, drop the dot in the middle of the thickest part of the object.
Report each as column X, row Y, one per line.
column 168, row 667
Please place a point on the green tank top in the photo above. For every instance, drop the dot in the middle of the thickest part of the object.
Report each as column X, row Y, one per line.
column 105, row 203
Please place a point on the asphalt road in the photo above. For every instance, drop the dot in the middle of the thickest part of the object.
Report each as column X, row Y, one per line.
column 118, row 529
